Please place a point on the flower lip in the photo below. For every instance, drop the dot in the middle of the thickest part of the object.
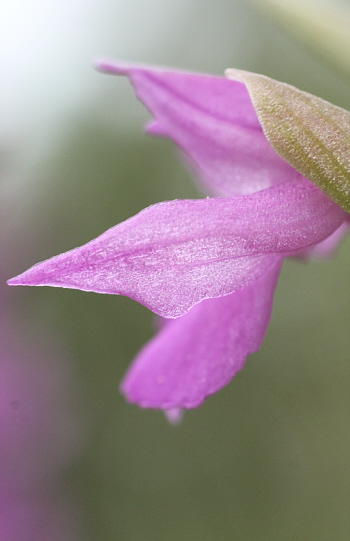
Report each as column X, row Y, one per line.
column 194, row 356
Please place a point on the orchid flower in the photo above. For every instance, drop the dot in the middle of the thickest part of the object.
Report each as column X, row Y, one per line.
column 276, row 163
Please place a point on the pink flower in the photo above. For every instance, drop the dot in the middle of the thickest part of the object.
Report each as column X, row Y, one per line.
column 210, row 265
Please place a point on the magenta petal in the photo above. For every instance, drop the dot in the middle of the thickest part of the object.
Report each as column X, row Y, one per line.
column 214, row 121
column 328, row 246
column 172, row 255
column 199, row 353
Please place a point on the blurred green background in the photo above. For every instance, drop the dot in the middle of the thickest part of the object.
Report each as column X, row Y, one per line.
column 267, row 457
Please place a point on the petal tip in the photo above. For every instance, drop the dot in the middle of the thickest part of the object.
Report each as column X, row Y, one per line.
column 29, row 277
column 106, row 65
column 154, row 127
column 15, row 281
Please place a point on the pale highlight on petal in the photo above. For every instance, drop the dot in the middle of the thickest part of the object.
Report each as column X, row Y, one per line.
column 172, row 255
column 174, row 416
column 308, row 132
column 197, row 354
column 213, row 120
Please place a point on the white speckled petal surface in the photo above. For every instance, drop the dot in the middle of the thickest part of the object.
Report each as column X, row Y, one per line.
column 172, row 255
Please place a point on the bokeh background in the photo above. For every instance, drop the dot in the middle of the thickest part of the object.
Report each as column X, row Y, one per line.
column 267, row 457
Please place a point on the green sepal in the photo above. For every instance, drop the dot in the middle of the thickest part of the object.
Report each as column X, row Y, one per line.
column 311, row 134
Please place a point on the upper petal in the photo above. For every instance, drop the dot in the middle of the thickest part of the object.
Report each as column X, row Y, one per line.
column 214, row 121
column 172, row 255
column 197, row 354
